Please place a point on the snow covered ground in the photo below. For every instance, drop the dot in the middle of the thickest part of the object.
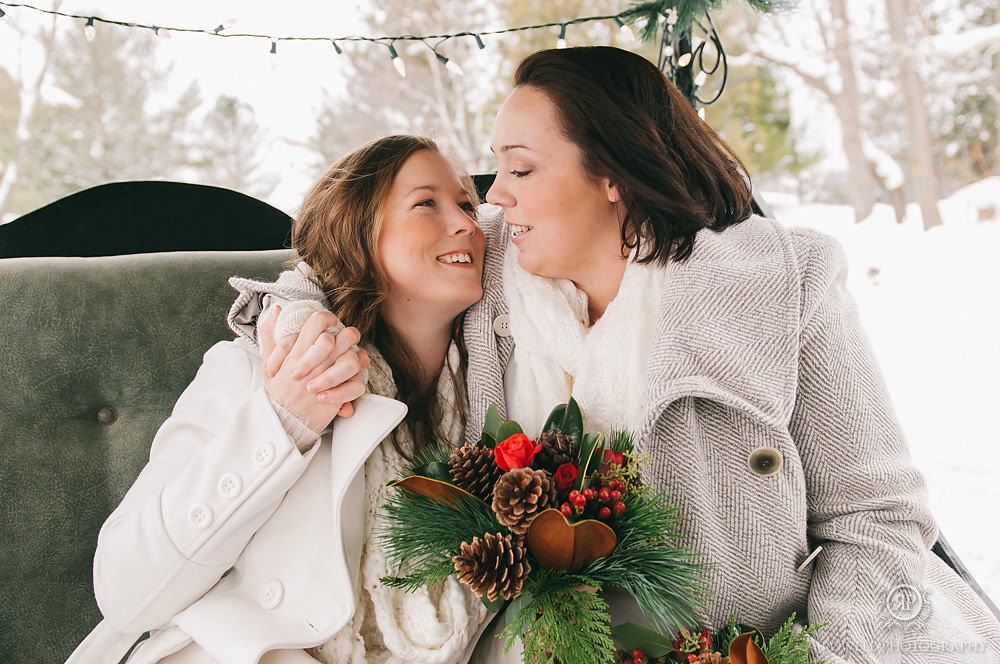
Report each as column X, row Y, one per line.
column 930, row 302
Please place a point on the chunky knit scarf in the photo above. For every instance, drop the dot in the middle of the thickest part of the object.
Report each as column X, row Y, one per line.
column 558, row 354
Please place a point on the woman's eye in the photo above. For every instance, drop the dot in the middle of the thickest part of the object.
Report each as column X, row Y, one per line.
column 468, row 207
column 520, row 174
column 427, row 202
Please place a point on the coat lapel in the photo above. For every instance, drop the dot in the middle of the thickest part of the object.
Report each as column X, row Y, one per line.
column 728, row 324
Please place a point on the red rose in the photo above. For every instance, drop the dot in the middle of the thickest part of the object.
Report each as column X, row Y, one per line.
column 565, row 476
column 518, row 451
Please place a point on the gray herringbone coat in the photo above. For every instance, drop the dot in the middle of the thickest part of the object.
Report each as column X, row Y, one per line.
column 758, row 346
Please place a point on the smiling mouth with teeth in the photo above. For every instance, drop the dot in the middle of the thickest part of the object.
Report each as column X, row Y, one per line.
column 516, row 230
column 455, row 258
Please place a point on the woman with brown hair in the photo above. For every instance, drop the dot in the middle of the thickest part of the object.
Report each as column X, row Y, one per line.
column 249, row 534
column 637, row 279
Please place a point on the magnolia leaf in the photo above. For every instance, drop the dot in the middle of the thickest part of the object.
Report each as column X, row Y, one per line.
column 493, row 421
column 434, row 470
column 572, row 424
column 441, row 492
column 494, row 606
column 591, row 451
column 555, row 419
column 743, row 650
column 507, row 429
column 557, row 544
column 629, row 636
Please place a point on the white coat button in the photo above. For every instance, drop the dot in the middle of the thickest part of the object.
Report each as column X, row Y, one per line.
column 263, row 455
column 200, row 516
column 271, row 593
column 501, row 325
column 764, row 461
column 230, row 485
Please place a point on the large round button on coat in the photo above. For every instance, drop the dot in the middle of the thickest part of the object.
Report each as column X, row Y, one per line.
column 230, row 485
column 271, row 594
column 764, row 461
column 200, row 516
column 263, row 455
column 501, row 325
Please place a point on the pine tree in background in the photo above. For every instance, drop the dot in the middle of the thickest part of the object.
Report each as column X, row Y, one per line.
column 229, row 155
column 108, row 121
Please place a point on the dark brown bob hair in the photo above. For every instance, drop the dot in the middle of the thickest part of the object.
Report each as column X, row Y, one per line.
column 634, row 127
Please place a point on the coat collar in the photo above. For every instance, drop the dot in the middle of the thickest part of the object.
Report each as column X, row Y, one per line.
column 728, row 324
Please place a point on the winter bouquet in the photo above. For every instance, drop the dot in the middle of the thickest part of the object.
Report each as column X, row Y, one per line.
column 545, row 524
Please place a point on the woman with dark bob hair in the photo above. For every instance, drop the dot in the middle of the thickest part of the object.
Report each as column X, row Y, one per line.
column 637, row 279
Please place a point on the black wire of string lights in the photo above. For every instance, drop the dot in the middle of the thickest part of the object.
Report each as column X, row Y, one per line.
column 676, row 57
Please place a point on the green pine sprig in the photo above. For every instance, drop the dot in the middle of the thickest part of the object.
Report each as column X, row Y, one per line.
column 621, row 440
column 436, row 452
column 421, row 535
column 665, row 579
column 560, row 620
column 790, row 645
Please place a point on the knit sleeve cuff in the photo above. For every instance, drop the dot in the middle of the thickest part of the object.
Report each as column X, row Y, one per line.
column 301, row 434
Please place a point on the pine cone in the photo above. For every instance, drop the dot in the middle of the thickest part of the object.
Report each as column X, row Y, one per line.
column 474, row 469
column 557, row 449
column 495, row 566
column 520, row 495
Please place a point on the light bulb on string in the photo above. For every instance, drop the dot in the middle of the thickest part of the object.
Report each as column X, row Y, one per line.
column 684, row 60
column 700, row 79
column 336, row 47
column 449, row 64
column 624, row 30
column 2, row 13
column 89, row 29
column 397, row 61
column 479, row 42
column 162, row 33
column 561, row 42
column 274, row 47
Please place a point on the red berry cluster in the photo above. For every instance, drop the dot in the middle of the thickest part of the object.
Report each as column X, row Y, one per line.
column 595, row 501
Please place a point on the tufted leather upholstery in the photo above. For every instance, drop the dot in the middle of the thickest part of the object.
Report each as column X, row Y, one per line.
column 93, row 354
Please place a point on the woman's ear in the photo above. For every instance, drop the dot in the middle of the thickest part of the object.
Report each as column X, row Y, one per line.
column 613, row 193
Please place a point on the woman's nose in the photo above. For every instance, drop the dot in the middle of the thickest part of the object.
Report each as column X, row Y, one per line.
column 497, row 193
column 462, row 222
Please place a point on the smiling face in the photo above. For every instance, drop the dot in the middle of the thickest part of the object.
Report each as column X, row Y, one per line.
column 429, row 247
column 563, row 220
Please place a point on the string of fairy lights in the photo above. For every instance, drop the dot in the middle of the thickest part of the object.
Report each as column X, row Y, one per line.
column 678, row 48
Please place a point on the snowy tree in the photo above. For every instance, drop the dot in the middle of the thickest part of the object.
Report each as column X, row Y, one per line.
column 454, row 109
column 20, row 92
column 229, row 153
column 820, row 52
column 908, row 80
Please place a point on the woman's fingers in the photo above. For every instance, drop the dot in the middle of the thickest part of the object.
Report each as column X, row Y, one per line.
column 344, row 392
column 340, row 371
column 314, row 345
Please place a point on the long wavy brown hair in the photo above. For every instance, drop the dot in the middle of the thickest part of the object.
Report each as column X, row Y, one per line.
column 337, row 234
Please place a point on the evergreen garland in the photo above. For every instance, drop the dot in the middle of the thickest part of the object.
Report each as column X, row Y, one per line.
column 688, row 11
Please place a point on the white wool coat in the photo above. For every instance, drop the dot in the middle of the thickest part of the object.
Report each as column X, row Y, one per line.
column 230, row 537
column 758, row 351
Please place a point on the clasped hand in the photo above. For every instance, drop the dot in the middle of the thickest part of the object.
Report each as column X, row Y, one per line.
column 313, row 373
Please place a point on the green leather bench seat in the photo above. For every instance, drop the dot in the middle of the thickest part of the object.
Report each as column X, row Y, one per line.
column 93, row 354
